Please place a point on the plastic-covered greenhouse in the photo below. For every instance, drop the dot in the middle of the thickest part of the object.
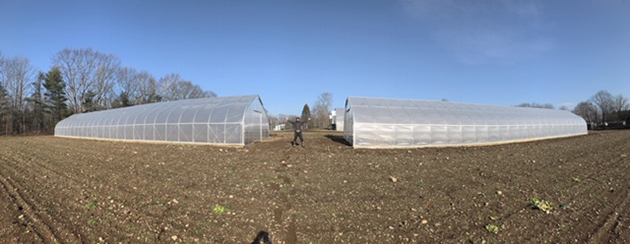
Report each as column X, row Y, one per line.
column 339, row 120
column 386, row 123
column 238, row 120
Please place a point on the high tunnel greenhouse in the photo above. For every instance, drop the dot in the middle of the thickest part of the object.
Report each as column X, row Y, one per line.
column 238, row 120
column 391, row 123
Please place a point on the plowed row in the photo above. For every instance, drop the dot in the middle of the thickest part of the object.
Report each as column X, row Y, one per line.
column 56, row 190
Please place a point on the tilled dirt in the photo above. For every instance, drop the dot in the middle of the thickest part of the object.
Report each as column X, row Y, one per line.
column 71, row 191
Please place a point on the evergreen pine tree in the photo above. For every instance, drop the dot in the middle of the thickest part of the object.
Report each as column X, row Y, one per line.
column 124, row 99
column 306, row 114
column 88, row 103
column 55, row 95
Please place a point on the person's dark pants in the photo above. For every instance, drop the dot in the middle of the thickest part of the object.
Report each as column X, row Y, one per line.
column 296, row 135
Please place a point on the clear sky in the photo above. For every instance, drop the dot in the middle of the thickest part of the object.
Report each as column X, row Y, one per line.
column 288, row 52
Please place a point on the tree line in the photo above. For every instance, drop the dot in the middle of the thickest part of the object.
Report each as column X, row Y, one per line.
column 538, row 105
column 85, row 80
column 603, row 108
column 600, row 109
column 79, row 81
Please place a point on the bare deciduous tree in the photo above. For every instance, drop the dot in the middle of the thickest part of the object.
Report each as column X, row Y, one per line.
column 130, row 83
column 107, row 67
column 4, row 108
column 2, row 72
column 77, row 67
column 167, row 87
column 194, row 91
column 186, row 89
column 173, row 87
column 321, row 110
column 38, row 104
column 620, row 104
column 146, row 88
column 88, row 72
column 273, row 121
column 18, row 74
column 209, row 94
column 587, row 111
column 536, row 105
column 604, row 101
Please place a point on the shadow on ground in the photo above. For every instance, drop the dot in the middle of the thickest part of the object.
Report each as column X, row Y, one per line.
column 338, row 139
column 263, row 237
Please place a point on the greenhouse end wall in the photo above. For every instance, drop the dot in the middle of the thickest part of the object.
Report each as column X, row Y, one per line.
column 387, row 123
column 219, row 120
column 339, row 119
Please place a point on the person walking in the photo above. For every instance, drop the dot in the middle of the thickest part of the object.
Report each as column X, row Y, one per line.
column 297, row 131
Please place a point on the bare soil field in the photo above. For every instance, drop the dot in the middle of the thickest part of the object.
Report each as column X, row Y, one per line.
column 56, row 190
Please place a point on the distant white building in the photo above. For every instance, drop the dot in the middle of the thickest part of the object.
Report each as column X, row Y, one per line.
column 279, row 127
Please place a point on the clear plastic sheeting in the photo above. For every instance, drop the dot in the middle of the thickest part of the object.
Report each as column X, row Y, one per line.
column 339, row 120
column 383, row 123
column 238, row 120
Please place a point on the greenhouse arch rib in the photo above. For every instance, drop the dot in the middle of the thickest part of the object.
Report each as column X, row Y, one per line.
column 243, row 121
column 157, row 114
column 209, row 127
column 194, row 120
column 225, row 123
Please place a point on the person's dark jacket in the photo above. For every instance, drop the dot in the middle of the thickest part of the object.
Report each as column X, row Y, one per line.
column 297, row 126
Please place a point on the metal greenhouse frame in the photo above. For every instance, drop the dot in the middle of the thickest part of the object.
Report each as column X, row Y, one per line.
column 238, row 120
column 390, row 123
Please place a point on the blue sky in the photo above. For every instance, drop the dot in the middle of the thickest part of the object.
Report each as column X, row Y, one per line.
column 288, row 52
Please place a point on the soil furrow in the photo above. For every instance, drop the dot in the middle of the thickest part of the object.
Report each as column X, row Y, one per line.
column 20, row 166
column 14, row 213
column 42, row 229
column 606, row 228
column 117, row 192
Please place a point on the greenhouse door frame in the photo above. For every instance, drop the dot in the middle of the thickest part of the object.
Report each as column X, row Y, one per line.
column 259, row 123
